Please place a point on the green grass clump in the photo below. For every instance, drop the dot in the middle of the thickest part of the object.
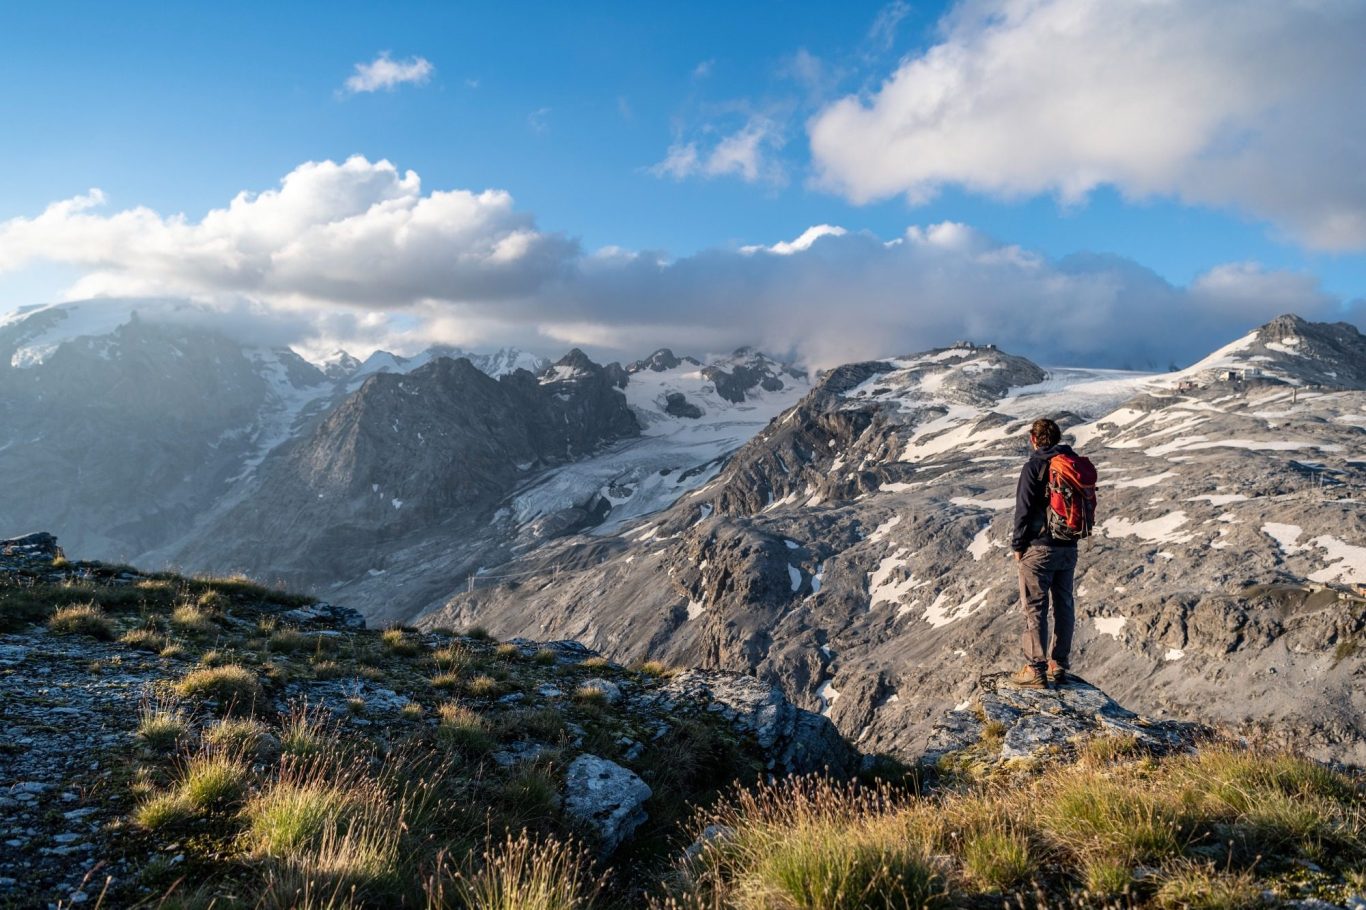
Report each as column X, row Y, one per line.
column 461, row 729
column 82, row 619
column 998, row 860
column 333, row 833
column 521, row 873
column 1126, row 821
column 543, row 724
column 545, row 657
column 161, row 725
column 296, row 811
column 144, row 640
column 162, row 811
column 507, row 651
column 213, row 780
column 232, row 686
column 478, row 633
column 306, row 734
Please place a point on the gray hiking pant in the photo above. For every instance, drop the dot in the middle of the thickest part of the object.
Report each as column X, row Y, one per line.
column 1046, row 579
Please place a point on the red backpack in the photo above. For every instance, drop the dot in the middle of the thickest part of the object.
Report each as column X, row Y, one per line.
column 1071, row 497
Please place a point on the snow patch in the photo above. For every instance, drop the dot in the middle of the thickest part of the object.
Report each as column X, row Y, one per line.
column 1110, row 625
column 994, row 505
column 1157, row 530
column 981, row 543
column 828, row 695
column 1348, row 562
column 937, row 615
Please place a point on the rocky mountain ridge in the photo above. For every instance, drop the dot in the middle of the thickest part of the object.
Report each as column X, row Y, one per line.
column 854, row 550
column 145, row 431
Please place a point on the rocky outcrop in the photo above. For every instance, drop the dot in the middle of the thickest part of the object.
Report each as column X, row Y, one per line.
column 605, row 797
column 661, row 361
column 747, row 370
column 678, row 405
column 795, row 741
column 1002, row 722
column 30, row 549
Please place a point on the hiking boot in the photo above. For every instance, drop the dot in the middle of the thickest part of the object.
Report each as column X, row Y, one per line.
column 1030, row 677
column 1057, row 673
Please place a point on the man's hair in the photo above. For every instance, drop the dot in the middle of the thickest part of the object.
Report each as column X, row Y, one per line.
column 1045, row 433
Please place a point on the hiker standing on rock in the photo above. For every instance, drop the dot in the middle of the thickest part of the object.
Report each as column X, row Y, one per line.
column 1055, row 506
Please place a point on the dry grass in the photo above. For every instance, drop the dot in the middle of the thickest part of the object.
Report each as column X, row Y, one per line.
column 402, row 643
column 306, row 734
column 521, row 873
column 461, row 729
column 144, row 640
column 82, row 619
column 241, row 736
column 288, row 641
column 814, row 844
column 161, row 724
column 234, row 687
column 453, row 659
column 190, row 619
column 213, row 780
column 484, row 686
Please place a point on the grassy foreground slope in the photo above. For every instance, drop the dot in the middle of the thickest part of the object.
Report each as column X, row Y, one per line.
column 176, row 742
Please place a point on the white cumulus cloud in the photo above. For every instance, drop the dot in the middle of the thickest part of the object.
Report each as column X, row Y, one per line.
column 360, row 254
column 355, row 232
column 1248, row 104
column 386, row 74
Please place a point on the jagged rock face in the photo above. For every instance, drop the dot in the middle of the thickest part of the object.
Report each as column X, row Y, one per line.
column 660, row 361
column 119, row 441
column 141, row 434
column 746, row 371
column 441, row 445
column 855, row 551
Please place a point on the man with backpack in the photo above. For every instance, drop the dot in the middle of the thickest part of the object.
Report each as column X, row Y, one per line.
column 1055, row 506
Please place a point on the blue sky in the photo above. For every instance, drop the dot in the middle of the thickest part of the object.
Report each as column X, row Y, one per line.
column 573, row 109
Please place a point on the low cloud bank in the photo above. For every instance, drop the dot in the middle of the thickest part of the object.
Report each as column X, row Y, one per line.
column 357, row 254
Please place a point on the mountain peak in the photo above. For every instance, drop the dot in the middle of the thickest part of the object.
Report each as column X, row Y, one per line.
column 1288, row 349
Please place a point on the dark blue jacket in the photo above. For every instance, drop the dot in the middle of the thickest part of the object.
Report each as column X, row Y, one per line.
column 1031, row 502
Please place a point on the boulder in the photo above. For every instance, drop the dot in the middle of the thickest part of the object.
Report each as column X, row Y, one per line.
column 606, row 798
column 1004, row 722
column 796, row 741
